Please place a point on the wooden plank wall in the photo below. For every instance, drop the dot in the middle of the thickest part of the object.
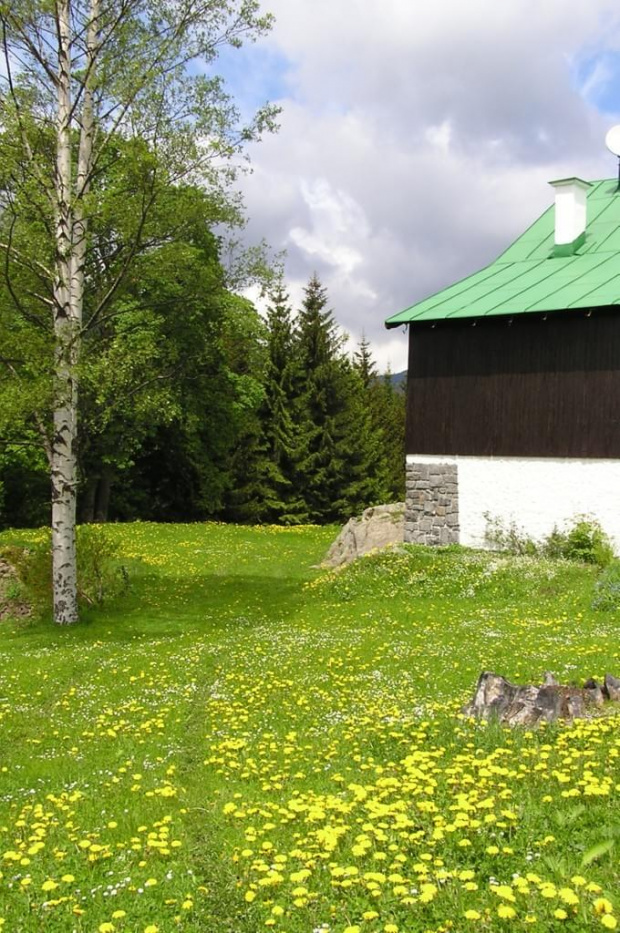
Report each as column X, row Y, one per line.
column 533, row 388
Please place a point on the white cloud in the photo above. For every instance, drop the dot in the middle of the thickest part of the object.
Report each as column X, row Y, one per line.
column 417, row 140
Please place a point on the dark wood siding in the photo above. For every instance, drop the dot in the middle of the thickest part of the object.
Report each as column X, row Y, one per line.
column 533, row 388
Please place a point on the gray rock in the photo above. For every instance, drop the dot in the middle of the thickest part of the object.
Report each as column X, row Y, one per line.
column 575, row 707
column 593, row 692
column 612, row 687
column 377, row 527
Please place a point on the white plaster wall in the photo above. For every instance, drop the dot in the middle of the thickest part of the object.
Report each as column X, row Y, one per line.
column 535, row 494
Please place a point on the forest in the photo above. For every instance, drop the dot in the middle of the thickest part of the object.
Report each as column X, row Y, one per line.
column 193, row 406
column 135, row 380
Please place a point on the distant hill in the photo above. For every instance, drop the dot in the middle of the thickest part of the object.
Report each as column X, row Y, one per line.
column 399, row 379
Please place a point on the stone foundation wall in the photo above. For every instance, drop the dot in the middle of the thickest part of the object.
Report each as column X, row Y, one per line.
column 432, row 504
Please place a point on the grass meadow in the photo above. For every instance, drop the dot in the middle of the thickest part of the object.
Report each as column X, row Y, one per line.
column 244, row 742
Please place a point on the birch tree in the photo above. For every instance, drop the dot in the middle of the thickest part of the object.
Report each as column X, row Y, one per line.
column 78, row 75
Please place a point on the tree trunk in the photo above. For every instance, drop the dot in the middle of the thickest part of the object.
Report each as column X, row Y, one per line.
column 104, row 488
column 63, row 454
column 71, row 232
column 64, row 570
column 87, row 507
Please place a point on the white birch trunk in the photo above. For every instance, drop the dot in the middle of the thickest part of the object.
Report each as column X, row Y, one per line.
column 71, row 233
column 63, row 455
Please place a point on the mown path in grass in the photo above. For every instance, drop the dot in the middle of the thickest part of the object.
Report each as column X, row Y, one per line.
column 244, row 742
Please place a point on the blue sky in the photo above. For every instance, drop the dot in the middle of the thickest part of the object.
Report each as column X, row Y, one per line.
column 254, row 74
column 597, row 77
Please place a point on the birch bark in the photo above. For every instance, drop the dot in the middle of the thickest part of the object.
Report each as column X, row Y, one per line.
column 71, row 234
column 63, row 457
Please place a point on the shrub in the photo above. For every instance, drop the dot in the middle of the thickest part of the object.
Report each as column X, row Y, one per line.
column 508, row 538
column 33, row 568
column 607, row 590
column 100, row 576
column 584, row 541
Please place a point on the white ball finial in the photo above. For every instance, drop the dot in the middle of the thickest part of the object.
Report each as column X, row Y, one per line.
column 612, row 140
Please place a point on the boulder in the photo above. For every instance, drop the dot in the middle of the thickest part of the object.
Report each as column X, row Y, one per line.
column 377, row 527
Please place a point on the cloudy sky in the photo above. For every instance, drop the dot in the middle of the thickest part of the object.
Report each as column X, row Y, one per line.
column 417, row 138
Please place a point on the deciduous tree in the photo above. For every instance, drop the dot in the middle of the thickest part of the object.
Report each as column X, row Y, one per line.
column 78, row 76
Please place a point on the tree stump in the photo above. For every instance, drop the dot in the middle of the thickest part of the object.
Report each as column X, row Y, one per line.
column 498, row 698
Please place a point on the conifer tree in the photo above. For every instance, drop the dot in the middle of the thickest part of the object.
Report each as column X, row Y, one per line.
column 386, row 403
column 319, row 404
column 364, row 363
column 281, row 502
column 389, row 404
column 340, row 469
column 364, row 472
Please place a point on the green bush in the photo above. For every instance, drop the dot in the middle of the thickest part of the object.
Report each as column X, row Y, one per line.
column 584, row 541
column 33, row 567
column 100, row 576
column 509, row 538
column 607, row 590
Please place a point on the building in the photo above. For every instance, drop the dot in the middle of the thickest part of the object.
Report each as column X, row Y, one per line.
column 513, row 389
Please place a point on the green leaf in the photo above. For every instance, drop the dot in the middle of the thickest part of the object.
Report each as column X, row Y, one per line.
column 601, row 848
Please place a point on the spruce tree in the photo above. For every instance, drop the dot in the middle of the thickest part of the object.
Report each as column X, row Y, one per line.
column 279, row 447
column 364, row 363
column 365, row 472
column 339, row 470
column 386, row 403
column 319, row 403
column 389, row 406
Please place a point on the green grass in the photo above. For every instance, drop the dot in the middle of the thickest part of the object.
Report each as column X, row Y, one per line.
column 245, row 742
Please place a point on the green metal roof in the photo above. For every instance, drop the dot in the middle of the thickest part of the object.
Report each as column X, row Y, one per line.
column 528, row 277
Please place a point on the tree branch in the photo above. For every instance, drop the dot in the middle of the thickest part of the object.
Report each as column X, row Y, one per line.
column 31, row 48
column 131, row 253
